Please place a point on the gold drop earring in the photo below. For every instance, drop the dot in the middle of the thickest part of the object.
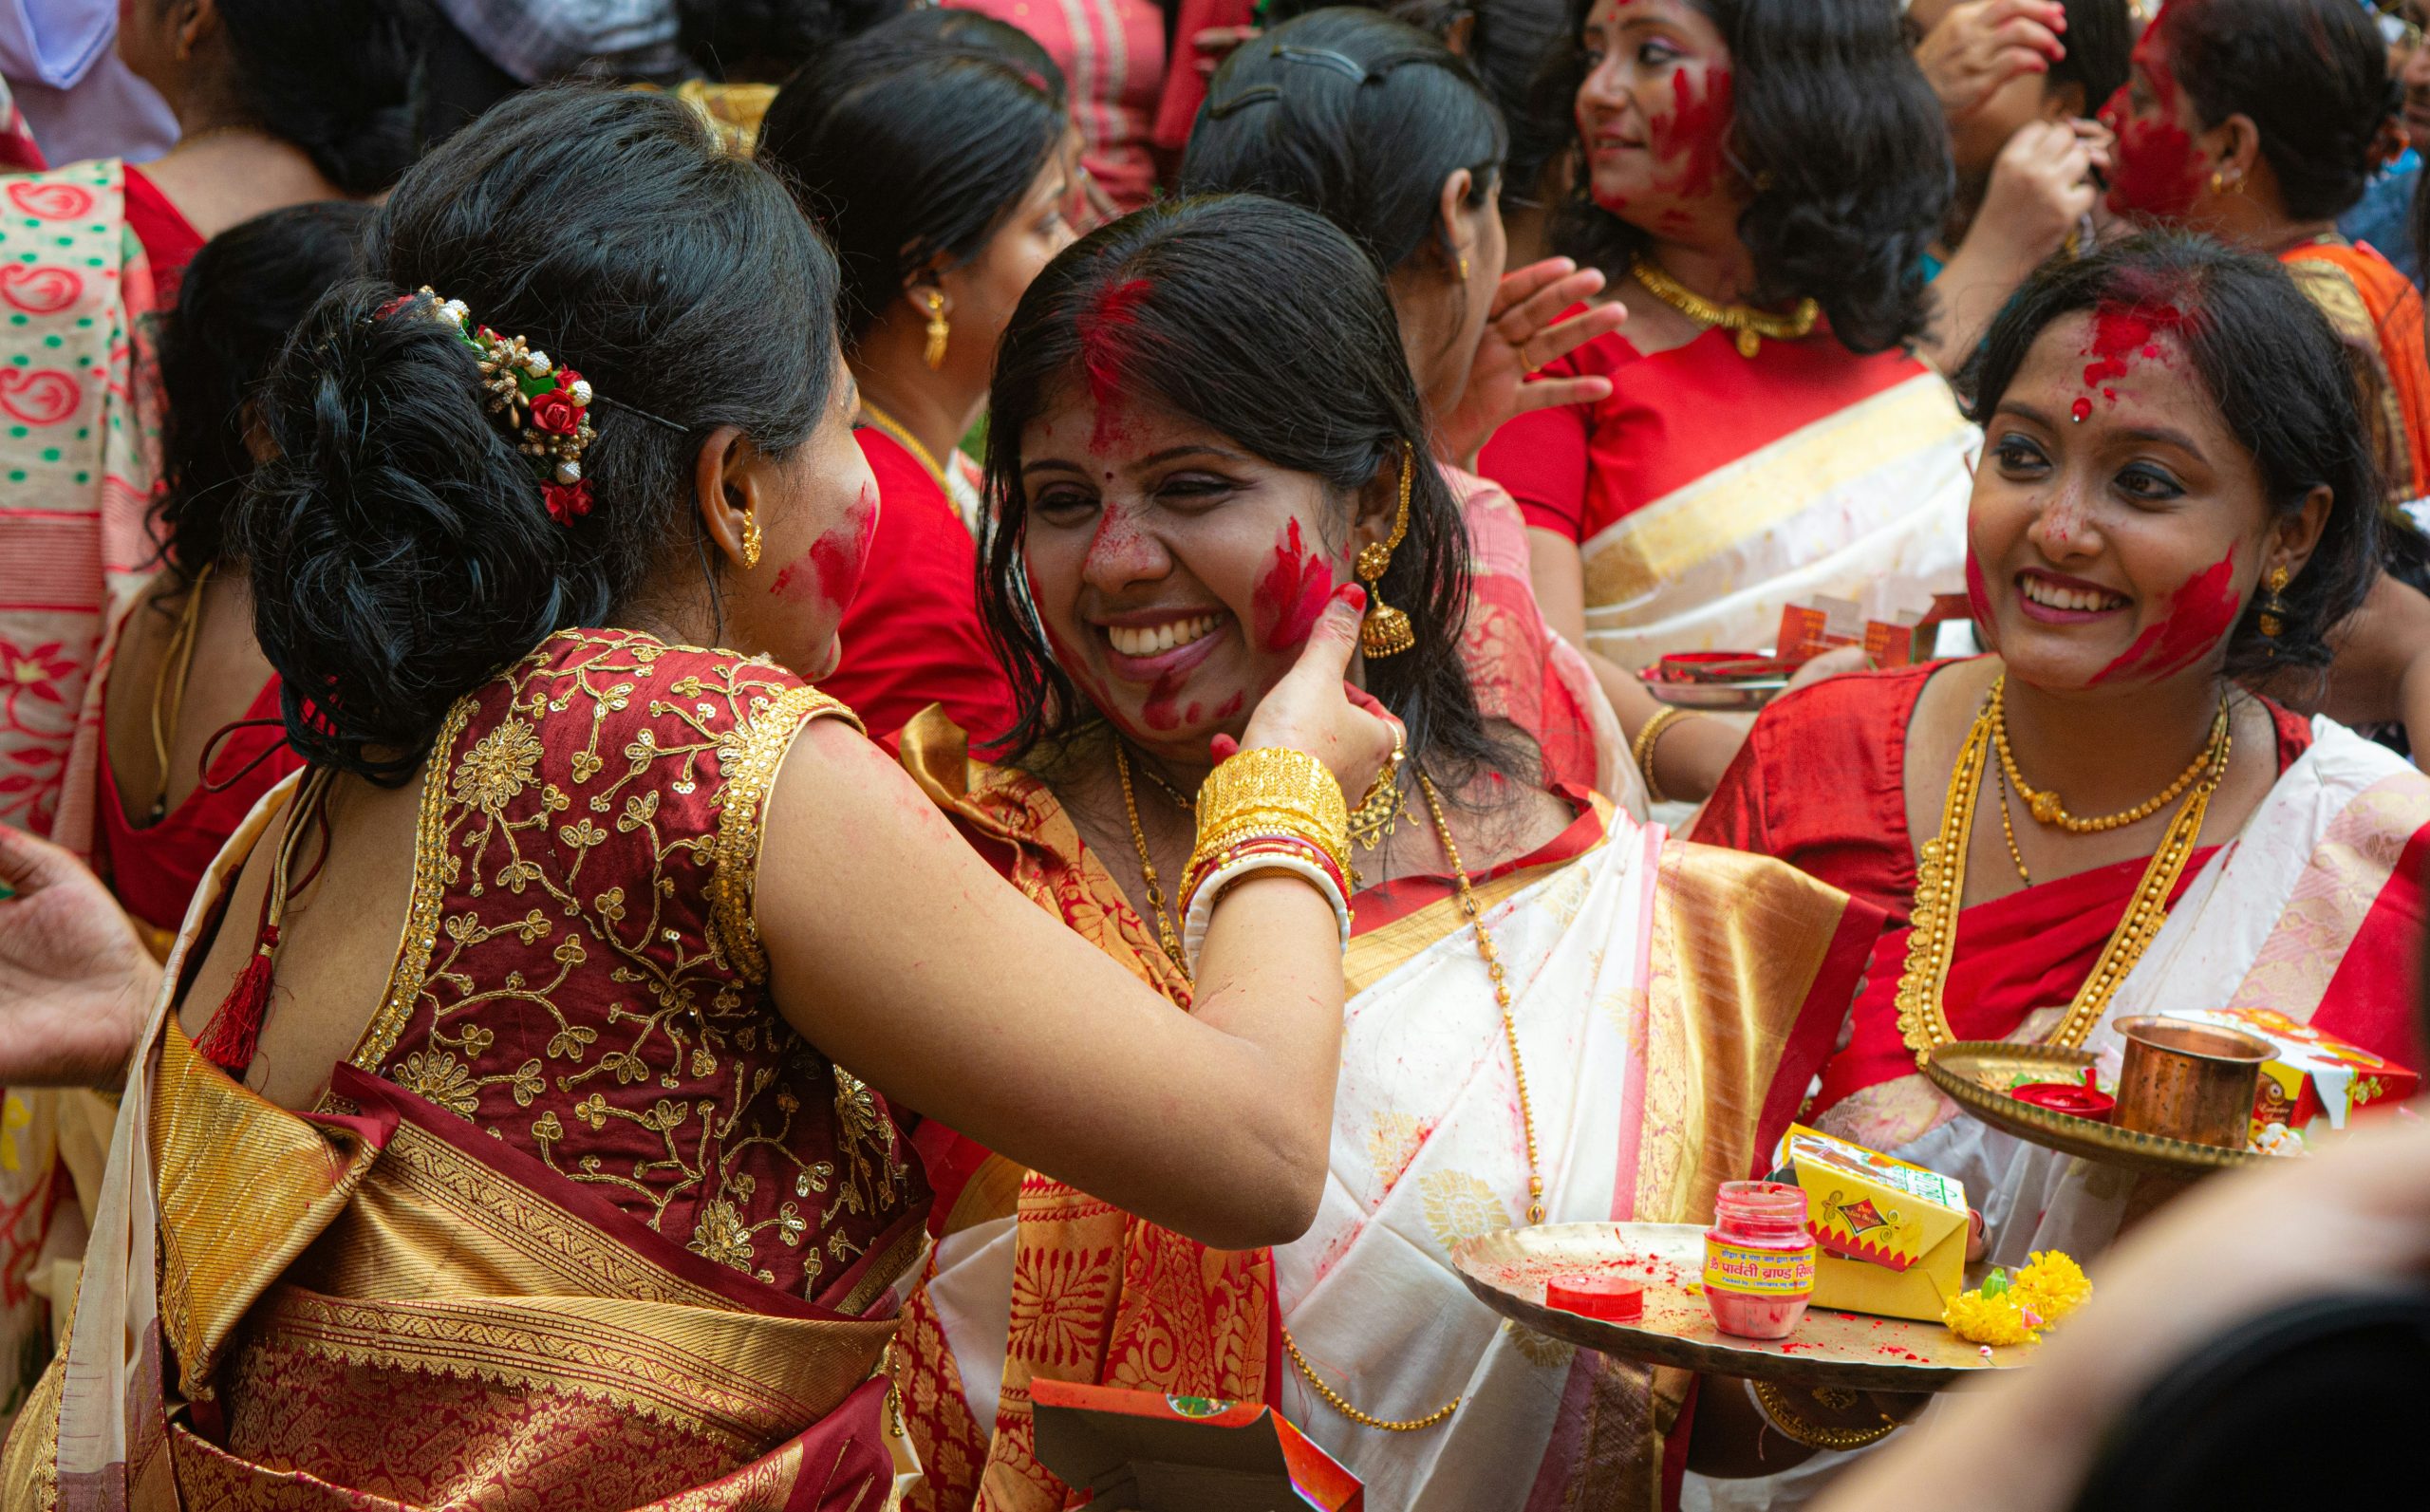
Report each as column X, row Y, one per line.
column 938, row 330
column 2274, row 607
column 1386, row 630
column 749, row 539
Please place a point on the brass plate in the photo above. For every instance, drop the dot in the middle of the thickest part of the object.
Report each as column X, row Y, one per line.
column 1507, row 1269
column 1977, row 1073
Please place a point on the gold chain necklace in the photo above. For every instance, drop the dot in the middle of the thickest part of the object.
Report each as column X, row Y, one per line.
column 2043, row 804
column 1751, row 326
column 902, row 433
column 1510, row 1035
column 1166, row 935
column 1941, row 892
column 169, row 684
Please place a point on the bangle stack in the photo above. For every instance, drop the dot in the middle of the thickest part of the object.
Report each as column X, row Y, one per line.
column 1642, row 750
column 1267, row 809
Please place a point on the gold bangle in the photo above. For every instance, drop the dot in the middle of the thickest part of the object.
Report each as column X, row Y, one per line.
column 1273, row 789
column 1643, row 748
column 1796, row 1429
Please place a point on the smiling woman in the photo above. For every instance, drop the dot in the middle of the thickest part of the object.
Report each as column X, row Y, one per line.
column 1205, row 430
column 2178, row 492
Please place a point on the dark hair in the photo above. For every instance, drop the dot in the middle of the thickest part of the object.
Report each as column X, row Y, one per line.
column 338, row 78
column 1265, row 322
column 766, row 39
column 912, row 140
column 1837, row 127
column 2101, row 49
column 2312, row 75
column 241, row 295
column 400, row 551
column 1357, row 116
column 2286, row 388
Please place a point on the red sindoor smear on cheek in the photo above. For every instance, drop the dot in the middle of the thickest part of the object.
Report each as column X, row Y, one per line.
column 1695, row 130
column 1293, row 594
column 831, row 569
column 2158, row 174
column 2200, row 614
column 1978, row 593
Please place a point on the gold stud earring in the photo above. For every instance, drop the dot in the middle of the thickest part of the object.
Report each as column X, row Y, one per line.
column 750, row 541
column 1386, row 630
column 1463, row 270
column 934, row 353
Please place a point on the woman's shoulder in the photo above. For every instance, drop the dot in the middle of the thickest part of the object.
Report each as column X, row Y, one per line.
column 1855, row 711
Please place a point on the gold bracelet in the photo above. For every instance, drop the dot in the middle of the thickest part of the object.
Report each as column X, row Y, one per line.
column 1796, row 1429
column 1643, row 750
column 1272, row 789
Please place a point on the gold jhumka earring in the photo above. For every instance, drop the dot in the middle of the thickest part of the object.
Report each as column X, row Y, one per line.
column 2274, row 607
column 1386, row 630
column 939, row 331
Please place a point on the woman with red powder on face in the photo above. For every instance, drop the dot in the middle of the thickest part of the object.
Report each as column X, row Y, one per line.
column 2194, row 509
column 1167, row 514
column 2120, row 826
column 935, row 151
column 1386, row 132
column 1761, row 181
column 2261, row 121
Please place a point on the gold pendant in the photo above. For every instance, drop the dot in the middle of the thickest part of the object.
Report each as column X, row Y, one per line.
column 1749, row 344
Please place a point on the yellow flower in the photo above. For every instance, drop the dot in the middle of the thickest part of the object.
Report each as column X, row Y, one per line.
column 2054, row 1286
column 1980, row 1319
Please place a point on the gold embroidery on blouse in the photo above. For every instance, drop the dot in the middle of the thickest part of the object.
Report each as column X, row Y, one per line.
column 755, row 749
column 686, row 1014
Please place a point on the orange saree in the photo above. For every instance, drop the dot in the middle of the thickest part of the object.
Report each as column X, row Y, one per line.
column 2378, row 310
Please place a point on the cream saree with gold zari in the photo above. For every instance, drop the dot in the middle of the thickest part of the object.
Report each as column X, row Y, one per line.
column 382, row 1308
column 1657, row 990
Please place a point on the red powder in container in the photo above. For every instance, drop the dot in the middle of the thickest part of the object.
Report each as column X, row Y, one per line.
column 1759, row 1260
column 1608, row 1297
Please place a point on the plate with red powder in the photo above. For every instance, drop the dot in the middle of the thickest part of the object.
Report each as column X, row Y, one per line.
column 1513, row 1269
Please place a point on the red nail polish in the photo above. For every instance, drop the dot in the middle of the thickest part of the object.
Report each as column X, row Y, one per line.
column 1354, row 596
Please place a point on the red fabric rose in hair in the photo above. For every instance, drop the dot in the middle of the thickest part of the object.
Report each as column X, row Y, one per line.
column 555, row 412
column 567, row 502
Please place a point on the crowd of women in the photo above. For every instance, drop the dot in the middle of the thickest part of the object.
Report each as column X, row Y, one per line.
column 708, row 763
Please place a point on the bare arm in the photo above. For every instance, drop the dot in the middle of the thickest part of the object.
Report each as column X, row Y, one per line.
column 2382, row 674
column 2041, row 190
column 897, row 951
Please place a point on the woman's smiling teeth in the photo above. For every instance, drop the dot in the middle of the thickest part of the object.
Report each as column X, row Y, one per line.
column 2050, row 595
column 1154, row 639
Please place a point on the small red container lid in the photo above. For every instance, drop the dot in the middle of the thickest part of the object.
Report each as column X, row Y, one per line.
column 1611, row 1298
column 2067, row 1097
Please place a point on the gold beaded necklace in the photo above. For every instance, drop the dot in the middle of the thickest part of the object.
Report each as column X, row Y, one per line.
column 1751, row 326
column 1941, row 892
column 2043, row 804
column 1166, row 935
column 1510, row 1035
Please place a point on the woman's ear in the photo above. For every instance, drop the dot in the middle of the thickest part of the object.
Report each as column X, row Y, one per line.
column 2296, row 536
column 731, row 480
column 1377, row 506
column 2065, row 101
column 2239, row 152
column 1451, row 206
column 191, row 22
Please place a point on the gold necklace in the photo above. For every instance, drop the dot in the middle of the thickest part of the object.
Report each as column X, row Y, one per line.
column 1753, row 327
column 2043, row 804
column 910, row 444
column 1510, row 1035
column 2008, row 829
column 1166, row 935
column 1941, row 892
column 169, row 684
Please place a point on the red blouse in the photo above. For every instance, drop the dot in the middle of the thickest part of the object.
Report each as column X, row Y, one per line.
column 912, row 636
column 1670, row 419
column 169, row 239
column 581, row 976
column 154, row 868
column 1821, row 784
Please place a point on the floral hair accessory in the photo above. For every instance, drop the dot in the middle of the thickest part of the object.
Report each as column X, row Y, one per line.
column 544, row 407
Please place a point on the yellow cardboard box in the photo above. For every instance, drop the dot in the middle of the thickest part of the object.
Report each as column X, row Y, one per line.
column 1891, row 1237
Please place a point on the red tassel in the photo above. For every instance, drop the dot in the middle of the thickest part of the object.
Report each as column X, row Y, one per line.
column 229, row 1040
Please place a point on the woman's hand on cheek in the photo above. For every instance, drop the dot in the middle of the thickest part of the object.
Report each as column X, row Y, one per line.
column 1314, row 709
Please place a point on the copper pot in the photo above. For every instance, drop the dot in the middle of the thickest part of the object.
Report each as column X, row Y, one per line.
column 2189, row 1081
